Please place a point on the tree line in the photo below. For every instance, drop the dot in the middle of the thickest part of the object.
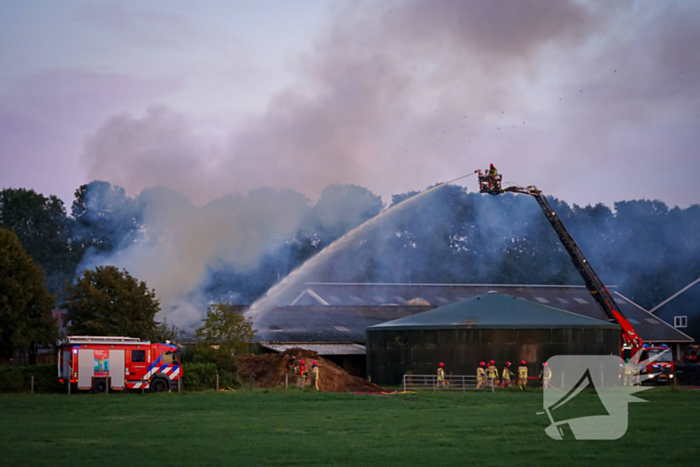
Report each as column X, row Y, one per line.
column 449, row 236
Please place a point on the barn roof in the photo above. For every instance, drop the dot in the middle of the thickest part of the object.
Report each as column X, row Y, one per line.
column 494, row 311
column 317, row 309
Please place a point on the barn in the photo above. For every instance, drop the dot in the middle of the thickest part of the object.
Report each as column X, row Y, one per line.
column 490, row 326
column 332, row 318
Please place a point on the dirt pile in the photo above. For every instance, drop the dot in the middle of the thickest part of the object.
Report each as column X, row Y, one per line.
column 269, row 371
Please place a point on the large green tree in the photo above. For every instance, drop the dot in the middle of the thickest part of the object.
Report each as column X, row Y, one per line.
column 226, row 326
column 108, row 302
column 25, row 304
column 43, row 230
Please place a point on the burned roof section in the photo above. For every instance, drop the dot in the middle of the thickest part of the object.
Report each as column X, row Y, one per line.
column 320, row 307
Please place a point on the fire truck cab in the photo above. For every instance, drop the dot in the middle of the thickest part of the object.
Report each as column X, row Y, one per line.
column 92, row 362
column 661, row 370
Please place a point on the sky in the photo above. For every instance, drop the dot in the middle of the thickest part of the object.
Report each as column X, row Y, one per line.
column 590, row 101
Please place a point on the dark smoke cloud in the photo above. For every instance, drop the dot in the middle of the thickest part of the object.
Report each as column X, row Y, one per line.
column 380, row 100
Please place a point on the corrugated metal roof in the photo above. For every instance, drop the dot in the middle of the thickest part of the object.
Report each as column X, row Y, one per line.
column 345, row 324
column 578, row 298
column 321, row 349
column 494, row 311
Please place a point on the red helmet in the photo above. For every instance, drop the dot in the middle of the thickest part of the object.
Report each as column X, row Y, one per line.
column 302, row 361
column 492, row 362
column 314, row 362
column 522, row 362
column 481, row 363
column 491, row 165
column 507, row 363
column 442, row 364
column 544, row 364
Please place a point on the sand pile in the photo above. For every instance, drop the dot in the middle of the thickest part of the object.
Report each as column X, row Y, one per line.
column 269, row 371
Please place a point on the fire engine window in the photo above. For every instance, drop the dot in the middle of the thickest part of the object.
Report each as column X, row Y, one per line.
column 138, row 356
column 168, row 358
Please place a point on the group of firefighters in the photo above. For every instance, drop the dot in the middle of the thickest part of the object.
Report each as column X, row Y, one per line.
column 302, row 374
column 487, row 376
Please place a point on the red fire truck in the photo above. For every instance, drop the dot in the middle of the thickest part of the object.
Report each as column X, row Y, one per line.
column 91, row 362
column 662, row 369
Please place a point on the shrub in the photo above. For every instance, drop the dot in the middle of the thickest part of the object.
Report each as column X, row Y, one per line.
column 18, row 379
column 201, row 376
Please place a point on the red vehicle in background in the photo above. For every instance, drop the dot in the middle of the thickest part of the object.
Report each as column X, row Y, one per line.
column 661, row 369
column 693, row 355
column 92, row 362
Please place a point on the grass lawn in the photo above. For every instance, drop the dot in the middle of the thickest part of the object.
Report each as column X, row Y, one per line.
column 295, row 428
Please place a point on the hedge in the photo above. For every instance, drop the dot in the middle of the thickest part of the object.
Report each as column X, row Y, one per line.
column 196, row 377
column 18, row 379
column 200, row 376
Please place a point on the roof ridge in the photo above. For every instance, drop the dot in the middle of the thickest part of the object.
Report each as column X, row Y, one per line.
column 438, row 284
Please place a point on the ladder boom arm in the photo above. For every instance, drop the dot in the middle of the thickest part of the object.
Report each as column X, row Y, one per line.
column 593, row 283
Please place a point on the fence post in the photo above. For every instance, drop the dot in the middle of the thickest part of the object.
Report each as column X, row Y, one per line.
column 143, row 386
column 217, row 382
column 69, row 385
column 107, row 385
column 179, row 384
column 32, row 386
column 286, row 381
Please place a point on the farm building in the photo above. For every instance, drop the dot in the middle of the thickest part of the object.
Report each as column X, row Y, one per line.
column 682, row 310
column 490, row 326
column 332, row 318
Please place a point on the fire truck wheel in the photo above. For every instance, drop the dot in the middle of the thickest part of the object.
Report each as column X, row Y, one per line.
column 98, row 386
column 159, row 385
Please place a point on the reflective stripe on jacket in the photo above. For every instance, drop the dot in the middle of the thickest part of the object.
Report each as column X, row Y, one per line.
column 493, row 372
column 522, row 371
column 547, row 373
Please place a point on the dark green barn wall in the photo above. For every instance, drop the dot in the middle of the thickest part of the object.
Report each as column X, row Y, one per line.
column 393, row 353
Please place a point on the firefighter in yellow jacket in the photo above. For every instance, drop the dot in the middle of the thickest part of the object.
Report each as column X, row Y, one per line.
column 629, row 373
column 492, row 373
column 314, row 374
column 546, row 376
column 480, row 375
column 507, row 374
column 522, row 375
column 441, row 375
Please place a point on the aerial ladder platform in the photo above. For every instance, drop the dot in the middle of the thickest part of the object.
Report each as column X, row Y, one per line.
column 491, row 183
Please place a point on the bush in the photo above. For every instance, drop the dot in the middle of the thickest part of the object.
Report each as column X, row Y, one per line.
column 18, row 379
column 201, row 376
column 198, row 376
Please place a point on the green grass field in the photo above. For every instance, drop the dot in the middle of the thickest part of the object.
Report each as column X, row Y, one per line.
column 295, row 428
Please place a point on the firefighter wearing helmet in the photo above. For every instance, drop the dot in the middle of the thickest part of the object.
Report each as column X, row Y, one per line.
column 491, row 173
column 546, row 376
column 441, row 375
column 302, row 372
column 314, row 374
column 480, row 375
column 492, row 373
column 507, row 374
column 522, row 375
column 627, row 380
